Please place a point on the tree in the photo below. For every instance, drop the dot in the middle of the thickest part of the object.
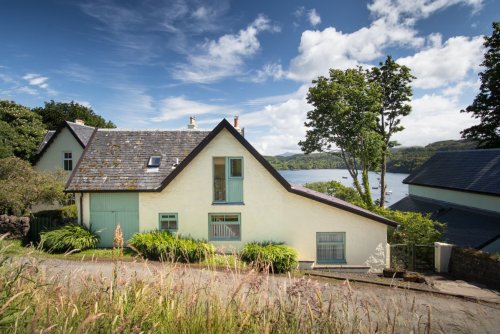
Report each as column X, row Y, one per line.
column 344, row 116
column 486, row 105
column 394, row 81
column 55, row 113
column 21, row 187
column 21, row 130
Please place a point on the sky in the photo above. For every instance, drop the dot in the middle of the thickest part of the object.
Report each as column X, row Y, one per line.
column 153, row 64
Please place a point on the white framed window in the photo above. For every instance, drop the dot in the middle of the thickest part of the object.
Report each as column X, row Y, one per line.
column 330, row 247
column 168, row 222
column 224, row 226
column 68, row 161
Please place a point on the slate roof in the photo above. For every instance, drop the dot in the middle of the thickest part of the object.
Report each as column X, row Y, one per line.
column 475, row 171
column 117, row 159
column 45, row 140
column 465, row 227
column 82, row 134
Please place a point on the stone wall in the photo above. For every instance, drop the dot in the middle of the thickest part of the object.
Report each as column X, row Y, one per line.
column 16, row 227
column 475, row 266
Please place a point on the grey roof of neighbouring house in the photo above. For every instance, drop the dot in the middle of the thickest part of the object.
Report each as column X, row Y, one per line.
column 117, row 159
column 45, row 140
column 465, row 227
column 475, row 171
column 82, row 134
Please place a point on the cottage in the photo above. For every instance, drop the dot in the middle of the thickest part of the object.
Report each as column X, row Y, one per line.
column 61, row 149
column 461, row 189
column 214, row 185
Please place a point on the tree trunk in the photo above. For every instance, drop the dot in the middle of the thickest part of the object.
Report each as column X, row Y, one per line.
column 383, row 167
column 367, row 196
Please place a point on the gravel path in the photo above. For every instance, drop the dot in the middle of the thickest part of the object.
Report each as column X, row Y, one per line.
column 448, row 314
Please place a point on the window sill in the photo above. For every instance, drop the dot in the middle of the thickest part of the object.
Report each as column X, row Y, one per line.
column 228, row 203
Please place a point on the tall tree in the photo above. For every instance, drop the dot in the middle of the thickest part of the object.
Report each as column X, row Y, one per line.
column 394, row 81
column 486, row 105
column 55, row 113
column 21, row 130
column 344, row 116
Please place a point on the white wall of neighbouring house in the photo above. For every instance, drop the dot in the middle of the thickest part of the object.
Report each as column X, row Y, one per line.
column 52, row 159
column 269, row 212
column 473, row 200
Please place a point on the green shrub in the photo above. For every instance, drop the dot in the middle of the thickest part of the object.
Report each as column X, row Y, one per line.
column 69, row 211
column 162, row 245
column 67, row 238
column 278, row 257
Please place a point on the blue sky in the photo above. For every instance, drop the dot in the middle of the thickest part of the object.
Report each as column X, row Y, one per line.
column 152, row 64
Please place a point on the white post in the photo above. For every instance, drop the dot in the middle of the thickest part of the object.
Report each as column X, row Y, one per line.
column 442, row 255
column 387, row 255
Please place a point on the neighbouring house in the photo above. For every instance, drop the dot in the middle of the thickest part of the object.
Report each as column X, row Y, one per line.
column 461, row 189
column 62, row 148
column 214, row 185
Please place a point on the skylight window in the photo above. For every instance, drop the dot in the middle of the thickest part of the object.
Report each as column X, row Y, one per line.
column 154, row 161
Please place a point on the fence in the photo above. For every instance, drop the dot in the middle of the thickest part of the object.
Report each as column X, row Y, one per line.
column 413, row 257
column 42, row 223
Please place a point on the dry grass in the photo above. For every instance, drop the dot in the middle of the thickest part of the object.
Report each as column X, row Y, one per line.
column 174, row 299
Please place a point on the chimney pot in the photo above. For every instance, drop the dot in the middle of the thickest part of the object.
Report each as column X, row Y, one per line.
column 79, row 121
column 192, row 123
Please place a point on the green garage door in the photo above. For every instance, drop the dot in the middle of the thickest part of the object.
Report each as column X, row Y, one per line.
column 110, row 209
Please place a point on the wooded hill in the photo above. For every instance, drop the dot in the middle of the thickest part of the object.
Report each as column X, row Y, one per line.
column 401, row 159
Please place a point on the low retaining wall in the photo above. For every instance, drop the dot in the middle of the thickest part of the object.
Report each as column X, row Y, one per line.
column 16, row 227
column 476, row 266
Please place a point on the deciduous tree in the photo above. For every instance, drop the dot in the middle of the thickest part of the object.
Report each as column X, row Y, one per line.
column 394, row 81
column 486, row 105
column 21, row 130
column 344, row 116
column 21, row 187
column 55, row 113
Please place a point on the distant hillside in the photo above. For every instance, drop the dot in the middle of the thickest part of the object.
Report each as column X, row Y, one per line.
column 402, row 159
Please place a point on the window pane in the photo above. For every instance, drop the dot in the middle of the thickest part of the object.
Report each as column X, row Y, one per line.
column 219, row 179
column 168, row 221
column 236, row 168
column 224, row 227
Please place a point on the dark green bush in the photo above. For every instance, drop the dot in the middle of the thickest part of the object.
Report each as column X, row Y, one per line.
column 67, row 238
column 162, row 245
column 277, row 257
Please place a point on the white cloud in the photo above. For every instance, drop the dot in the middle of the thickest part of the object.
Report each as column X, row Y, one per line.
column 225, row 56
column 408, row 11
column 330, row 48
column 272, row 70
column 393, row 25
column 176, row 107
column 447, row 63
column 313, row 17
column 434, row 117
column 35, row 79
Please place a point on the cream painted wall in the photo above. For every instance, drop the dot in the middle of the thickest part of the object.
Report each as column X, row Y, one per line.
column 269, row 213
column 52, row 159
column 478, row 201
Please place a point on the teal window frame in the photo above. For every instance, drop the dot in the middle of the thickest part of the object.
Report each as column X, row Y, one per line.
column 67, row 161
column 211, row 224
column 228, row 178
column 168, row 229
column 333, row 243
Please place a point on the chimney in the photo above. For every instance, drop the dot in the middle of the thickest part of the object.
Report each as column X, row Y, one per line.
column 236, row 125
column 192, row 123
column 79, row 121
